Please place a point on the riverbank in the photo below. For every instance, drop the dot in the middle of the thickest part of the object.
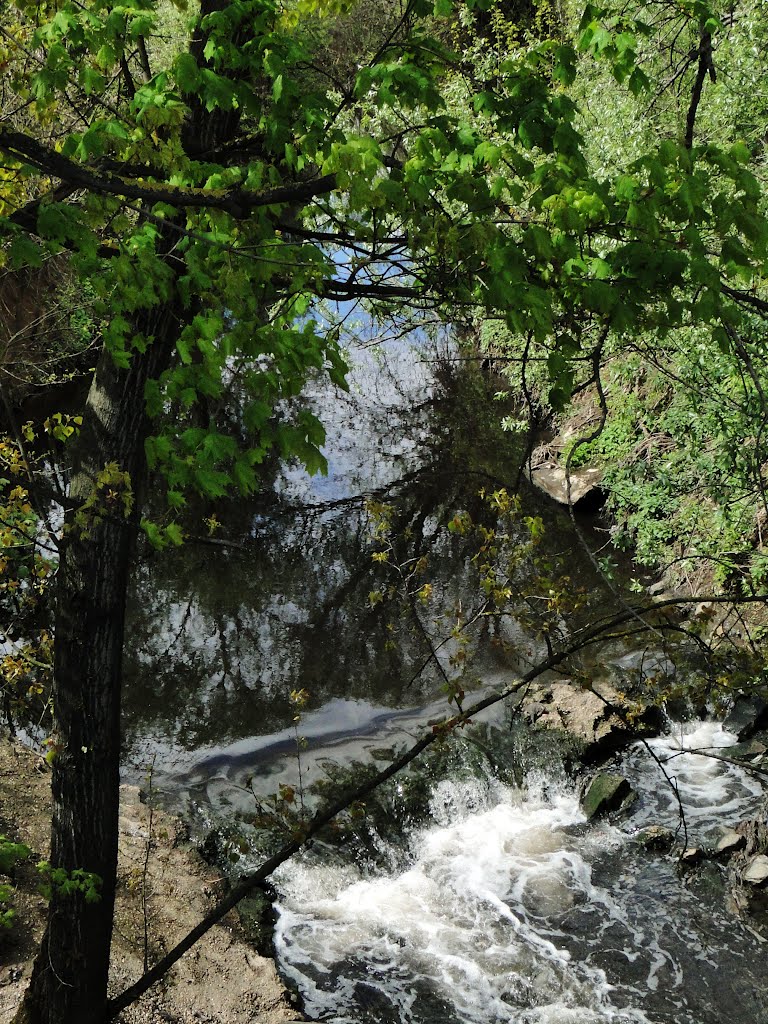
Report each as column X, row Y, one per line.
column 220, row 981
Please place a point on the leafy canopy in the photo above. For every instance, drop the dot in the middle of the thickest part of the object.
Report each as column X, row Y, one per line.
column 205, row 167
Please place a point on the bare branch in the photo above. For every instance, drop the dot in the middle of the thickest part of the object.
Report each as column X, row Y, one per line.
column 706, row 67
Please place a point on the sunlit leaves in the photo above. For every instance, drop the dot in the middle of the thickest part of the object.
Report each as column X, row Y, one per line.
column 476, row 174
column 27, row 569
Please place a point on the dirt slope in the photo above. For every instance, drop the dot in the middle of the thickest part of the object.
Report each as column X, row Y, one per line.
column 220, row 980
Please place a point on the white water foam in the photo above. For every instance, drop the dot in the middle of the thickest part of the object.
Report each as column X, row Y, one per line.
column 460, row 926
column 509, row 907
column 713, row 793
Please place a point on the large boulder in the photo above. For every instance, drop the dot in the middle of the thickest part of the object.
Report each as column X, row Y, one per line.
column 585, row 484
column 591, row 716
column 748, row 714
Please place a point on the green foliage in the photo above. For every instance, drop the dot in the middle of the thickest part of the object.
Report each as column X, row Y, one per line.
column 10, row 855
column 53, row 880
column 69, row 883
column 657, row 274
column 683, row 453
column 7, row 914
column 111, row 497
column 27, row 570
column 488, row 196
column 493, row 189
column 513, row 575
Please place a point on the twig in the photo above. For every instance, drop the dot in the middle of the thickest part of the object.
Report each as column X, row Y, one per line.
column 147, row 852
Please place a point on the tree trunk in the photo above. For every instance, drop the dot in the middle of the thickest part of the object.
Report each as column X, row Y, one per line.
column 69, row 980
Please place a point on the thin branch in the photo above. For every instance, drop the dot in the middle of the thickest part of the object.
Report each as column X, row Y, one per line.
column 747, row 298
column 706, row 67
column 707, row 752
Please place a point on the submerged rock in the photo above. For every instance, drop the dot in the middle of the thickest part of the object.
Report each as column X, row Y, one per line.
column 752, row 749
column 607, row 792
column 656, row 838
column 691, row 856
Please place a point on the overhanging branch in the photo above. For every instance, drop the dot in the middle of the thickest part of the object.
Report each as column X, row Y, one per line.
column 237, row 202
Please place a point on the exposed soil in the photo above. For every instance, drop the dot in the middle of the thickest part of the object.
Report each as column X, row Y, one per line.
column 221, row 980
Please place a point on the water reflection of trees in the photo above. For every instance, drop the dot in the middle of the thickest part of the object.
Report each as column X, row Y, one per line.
column 222, row 635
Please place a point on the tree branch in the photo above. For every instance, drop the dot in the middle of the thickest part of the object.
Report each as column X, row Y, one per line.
column 706, row 66
column 237, row 202
column 747, row 298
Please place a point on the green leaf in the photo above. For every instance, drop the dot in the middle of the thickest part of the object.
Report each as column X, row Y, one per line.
column 23, row 252
column 186, row 72
column 175, row 499
column 638, row 82
column 174, row 534
column 152, row 531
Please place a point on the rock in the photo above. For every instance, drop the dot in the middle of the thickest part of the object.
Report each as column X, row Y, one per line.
column 752, row 749
column 657, row 589
column 655, row 837
column 588, row 715
column 755, row 832
column 748, row 714
column 756, row 871
column 533, row 711
column 693, row 855
column 730, row 843
column 708, row 883
column 257, row 917
column 130, row 796
column 585, row 484
column 128, row 826
column 704, row 610
column 605, row 793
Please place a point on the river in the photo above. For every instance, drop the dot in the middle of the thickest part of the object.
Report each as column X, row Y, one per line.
column 497, row 901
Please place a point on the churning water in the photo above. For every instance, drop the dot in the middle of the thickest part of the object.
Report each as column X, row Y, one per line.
column 508, row 906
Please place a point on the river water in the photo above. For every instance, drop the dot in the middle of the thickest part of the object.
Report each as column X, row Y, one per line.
column 508, row 906
column 496, row 901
